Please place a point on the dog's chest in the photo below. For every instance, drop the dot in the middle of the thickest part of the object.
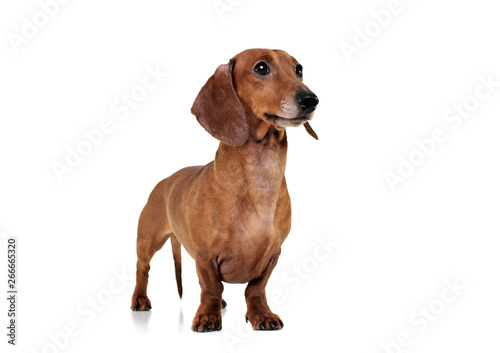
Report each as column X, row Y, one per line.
column 244, row 263
column 249, row 250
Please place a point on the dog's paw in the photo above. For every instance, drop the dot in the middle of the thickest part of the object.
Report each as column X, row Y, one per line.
column 140, row 303
column 265, row 321
column 207, row 322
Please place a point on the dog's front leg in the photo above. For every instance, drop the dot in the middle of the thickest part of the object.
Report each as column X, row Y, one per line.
column 208, row 317
column 258, row 312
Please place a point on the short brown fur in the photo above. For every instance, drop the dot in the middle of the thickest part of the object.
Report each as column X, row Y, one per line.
column 233, row 214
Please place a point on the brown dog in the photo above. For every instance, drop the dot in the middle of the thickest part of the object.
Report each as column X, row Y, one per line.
column 233, row 214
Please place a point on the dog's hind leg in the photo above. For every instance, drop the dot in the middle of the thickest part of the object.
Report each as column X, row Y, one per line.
column 153, row 232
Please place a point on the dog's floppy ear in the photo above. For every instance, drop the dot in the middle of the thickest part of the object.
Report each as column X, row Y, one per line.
column 310, row 131
column 219, row 110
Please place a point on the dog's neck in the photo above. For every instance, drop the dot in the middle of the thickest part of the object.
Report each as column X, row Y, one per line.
column 254, row 170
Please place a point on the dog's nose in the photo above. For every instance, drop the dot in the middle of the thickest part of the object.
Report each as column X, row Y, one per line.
column 307, row 101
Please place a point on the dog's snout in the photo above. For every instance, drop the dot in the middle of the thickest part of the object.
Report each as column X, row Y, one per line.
column 307, row 101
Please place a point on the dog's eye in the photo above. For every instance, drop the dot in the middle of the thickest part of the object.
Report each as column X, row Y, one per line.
column 298, row 71
column 261, row 69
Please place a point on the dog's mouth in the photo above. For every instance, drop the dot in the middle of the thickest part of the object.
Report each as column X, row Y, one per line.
column 288, row 122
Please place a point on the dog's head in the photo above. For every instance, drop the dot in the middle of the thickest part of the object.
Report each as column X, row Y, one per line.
column 257, row 86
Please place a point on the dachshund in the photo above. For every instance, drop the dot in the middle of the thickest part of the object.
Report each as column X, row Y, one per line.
column 233, row 214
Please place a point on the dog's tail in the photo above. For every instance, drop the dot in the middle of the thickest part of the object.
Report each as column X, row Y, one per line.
column 176, row 251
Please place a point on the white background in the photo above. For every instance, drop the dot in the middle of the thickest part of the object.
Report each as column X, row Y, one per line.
column 396, row 250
